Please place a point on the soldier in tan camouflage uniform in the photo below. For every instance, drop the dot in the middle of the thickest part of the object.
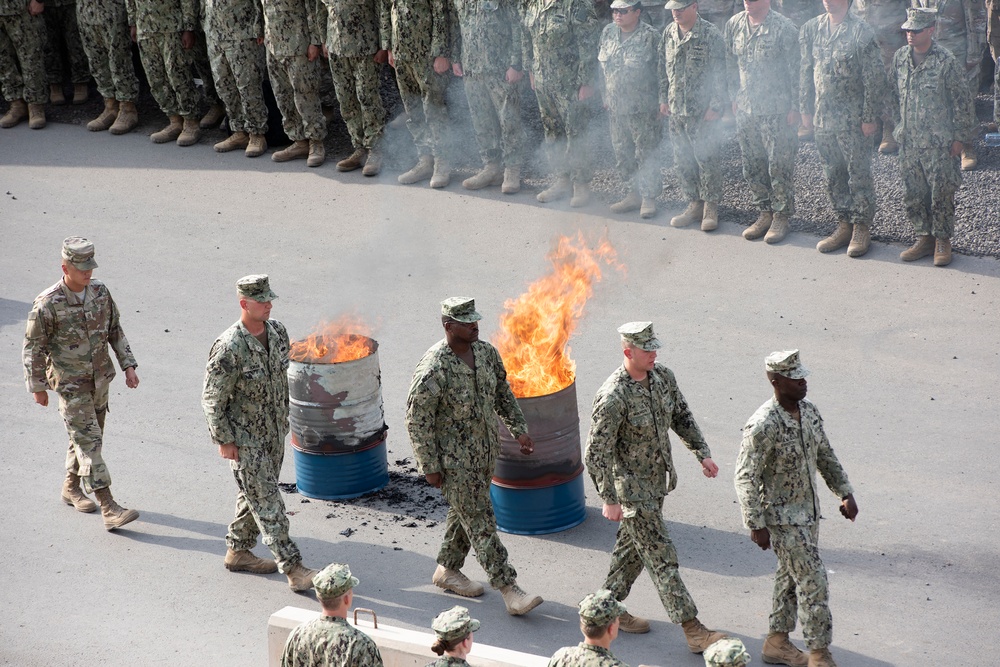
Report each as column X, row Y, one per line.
column 330, row 641
column 105, row 34
column 458, row 389
column 600, row 621
column 66, row 349
column 245, row 399
column 63, row 42
column 628, row 457
column 24, row 81
column 784, row 444
column 453, row 630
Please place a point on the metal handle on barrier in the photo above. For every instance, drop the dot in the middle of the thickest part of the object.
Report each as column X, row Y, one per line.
column 370, row 611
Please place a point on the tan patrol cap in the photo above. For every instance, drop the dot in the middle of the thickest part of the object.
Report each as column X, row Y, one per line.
column 79, row 252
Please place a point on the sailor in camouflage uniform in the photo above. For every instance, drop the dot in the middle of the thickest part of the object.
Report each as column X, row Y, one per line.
column 600, row 621
column 24, row 81
column 885, row 17
column 841, row 95
column 453, row 640
column 693, row 94
column 628, row 457
column 934, row 116
column 784, row 445
column 63, row 42
column 105, row 35
column 245, row 399
column 330, row 641
column 66, row 349
column 458, row 390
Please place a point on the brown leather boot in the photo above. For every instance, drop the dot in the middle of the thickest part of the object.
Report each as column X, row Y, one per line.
column 72, row 495
column 128, row 118
column 170, row 132
column 234, row 141
column 759, row 227
column 36, row 116
column 456, row 582
column 490, row 174
column 355, row 160
column 257, row 146
column 56, row 96
column 698, row 636
column 518, row 602
column 317, row 153
column 115, row 516
column 778, row 230
column 970, row 160
column 581, row 195
column 923, row 246
column 779, row 650
column 298, row 150
column 942, row 252
column 693, row 213
column 373, row 163
column 107, row 117
column 633, row 624
column 17, row 112
column 710, row 217
column 190, row 133
column 820, row 657
column 631, row 202
column 80, row 93
column 213, row 117
column 861, row 240
column 888, row 145
column 421, row 171
column 441, row 176
column 558, row 190
column 841, row 236
column 300, row 578
column 245, row 561
column 511, row 180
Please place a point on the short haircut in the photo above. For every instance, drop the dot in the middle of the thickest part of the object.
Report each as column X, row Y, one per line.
column 591, row 631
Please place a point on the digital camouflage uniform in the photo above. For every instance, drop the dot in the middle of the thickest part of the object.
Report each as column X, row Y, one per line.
column 763, row 71
column 776, row 486
column 842, row 86
column 961, row 28
column 66, row 350
column 245, row 399
column 885, row 16
column 448, row 661
column 24, row 78
column 993, row 39
column 63, row 41
column 629, row 458
column 353, row 38
column 451, row 414
column 329, row 641
column 932, row 109
column 231, row 28
column 628, row 61
column 290, row 27
column 692, row 81
column 202, row 61
column 158, row 25
column 718, row 12
column 799, row 11
column 561, row 42
column 585, row 655
column 487, row 40
column 106, row 40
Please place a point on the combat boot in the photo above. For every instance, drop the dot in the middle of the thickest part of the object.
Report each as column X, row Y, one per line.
column 213, row 118
column 72, row 495
column 80, row 93
column 942, row 252
column 190, row 133
column 170, row 132
column 298, row 150
column 820, row 657
column 581, row 195
column 421, row 171
column 692, row 213
column 235, row 140
column 779, row 650
column 698, row 636
column 17, row 112
column 558, row 190
column 759, row 227
column 36, row 116
column 841, row 236
column 128, row 118
column 710, row 217
column 490, row 174
column 245, row 561
column 441, row 176
column 56, row 96
column 257, row 146
column 969, row 158
column 888, row 145
column 633, row 624
column 300, row 578
column 518, row 602
column 317, row 153
column 456, row 582
column 511, row 180
column 115, row 516
column 648, row 208
column 631, row 202
column 778, row 230
column 107, row 117
column 923, row 246
column 373, row 165
column 861, row 239
column 355, row 160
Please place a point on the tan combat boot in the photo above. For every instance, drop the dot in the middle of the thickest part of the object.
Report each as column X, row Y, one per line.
column 511, row 180
column 861, row 240
column 969, row 158
column 239, row 139
column 128, row 118
column 257, row 146
column 759, row 227
column 213, row 117
column 17, row 112
column 245, row 561
column 115, row 516
column 923, row 246
column 841, row 236
column 710, row 217
column 648, row 208
column 779, row 650
column 631, row 202
column 581, row 195
column 317, row 153
column 107, row 117
column 942, row 252
column 633, row 624
column 80, row 93
column 558, row 190
column 36, row 116
column 490, row 174
column 421, row 171
column 72, row 495
column 692, row 213
column 355, row 160
column 300, row 578
column 190, row 133
column 441, row 176
column 456, row 582
column 820, row 657
column 56, row 96
column 518, row 602
column 373, row 165
column 298, row 150
column 888, row 145
column 170, row 132
column 778, row 230
column 698, row 636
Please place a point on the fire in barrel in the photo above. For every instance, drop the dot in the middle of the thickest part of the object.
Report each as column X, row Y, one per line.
column 335, row 409
column 543, row 492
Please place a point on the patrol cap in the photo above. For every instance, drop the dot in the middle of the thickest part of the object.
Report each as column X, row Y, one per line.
column 334, row 580
column 460, row 309
column 640, row 335
column 624, row 4
column 728, row 652
column 679, row 4
column 786, row 363
column 919, row 18
column 79, row 252
column 255, row 287
column 454, row 623
column 600, row 608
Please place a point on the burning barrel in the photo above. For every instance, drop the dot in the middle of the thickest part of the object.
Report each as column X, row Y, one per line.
column 337, row 420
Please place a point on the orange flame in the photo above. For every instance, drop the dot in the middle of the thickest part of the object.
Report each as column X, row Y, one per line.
column 536, row 327
column 344, row 339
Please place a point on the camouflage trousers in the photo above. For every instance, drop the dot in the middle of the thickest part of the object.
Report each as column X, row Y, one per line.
column 643, row 542
column 799, row 11
column 203, row 68
column 847, row 165
column 635, row 138
column 83, row 413
column 931, row 177
column 423, row 91
column 260, row 509
column 238, row 69
column 471, row 524
column 495, row 106
column 697, row 158
column 800, row 585
column 564, row 121
column 356, row 81
column 23, row 73
column 8, row 64
column 768, row 144
column 109, row 51
column 295, row 82
column 64, row 42
column 168, row 70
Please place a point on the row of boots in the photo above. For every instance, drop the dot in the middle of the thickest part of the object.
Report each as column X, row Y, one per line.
column 300, row 577
column 19, row 110
column 114, row 515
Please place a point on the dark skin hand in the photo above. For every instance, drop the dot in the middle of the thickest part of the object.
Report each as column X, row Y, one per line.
column 762, row 536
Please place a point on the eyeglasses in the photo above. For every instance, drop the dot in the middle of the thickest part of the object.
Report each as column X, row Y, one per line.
column 623, row 11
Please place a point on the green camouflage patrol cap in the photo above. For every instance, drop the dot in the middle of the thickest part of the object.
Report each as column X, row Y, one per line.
column 600, row 608
column 640, row 335
column 726, row 652
column 454, row 623
column 460, row 309
column 679, row 4
column 255, row 287
column 334, row 580
column 79, row 252
column 624, row 4
column 919, row 18
column 786, row 363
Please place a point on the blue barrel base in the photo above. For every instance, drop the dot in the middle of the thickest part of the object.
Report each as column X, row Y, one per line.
column 548, row 509
column 341, row 476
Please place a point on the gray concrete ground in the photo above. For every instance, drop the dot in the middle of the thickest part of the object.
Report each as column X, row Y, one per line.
column 904, row 359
